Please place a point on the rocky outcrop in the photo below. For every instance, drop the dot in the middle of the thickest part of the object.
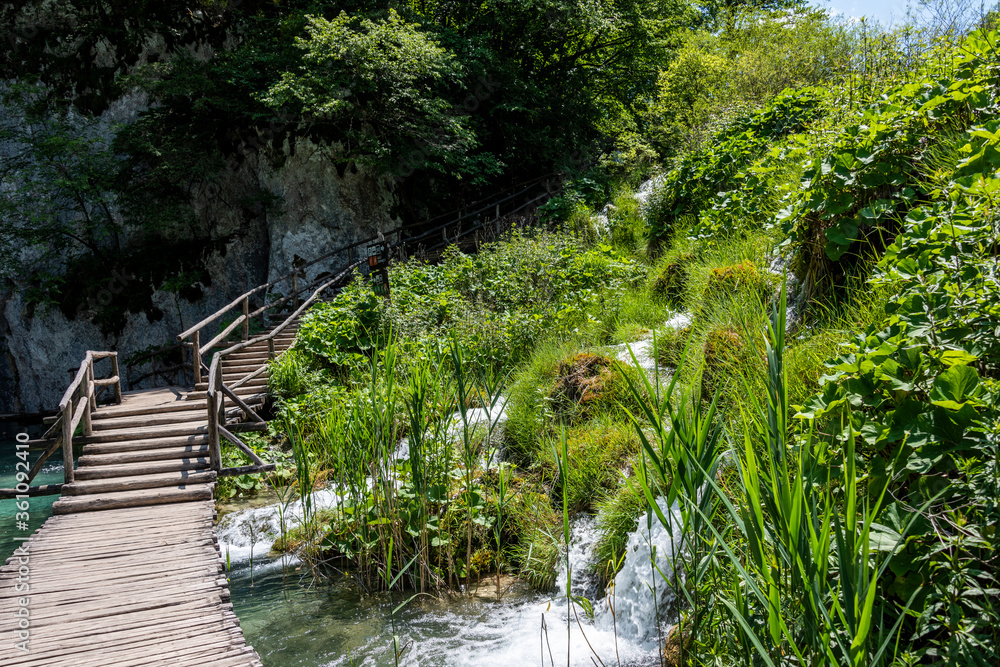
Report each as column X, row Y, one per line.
column 318, row 208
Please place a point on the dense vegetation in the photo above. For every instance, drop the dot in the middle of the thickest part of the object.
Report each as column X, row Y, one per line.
column 823, row 419
column 810, row 291
column 452, row 100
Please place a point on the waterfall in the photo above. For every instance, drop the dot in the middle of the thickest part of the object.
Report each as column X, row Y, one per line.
column 636, row 610
column 251, row 533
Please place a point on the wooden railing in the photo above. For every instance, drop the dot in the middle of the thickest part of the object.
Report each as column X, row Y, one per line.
column 483, row 214
column 75, row 409
column 218, row 391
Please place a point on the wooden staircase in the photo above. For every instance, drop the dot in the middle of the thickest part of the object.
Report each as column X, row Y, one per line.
column 153, row 447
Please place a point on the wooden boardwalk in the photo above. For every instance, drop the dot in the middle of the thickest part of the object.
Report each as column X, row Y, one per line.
column 128, row 571
column 139, row 586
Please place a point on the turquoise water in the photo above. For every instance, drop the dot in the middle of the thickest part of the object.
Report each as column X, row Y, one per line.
column 40, row 508
column 293, row 621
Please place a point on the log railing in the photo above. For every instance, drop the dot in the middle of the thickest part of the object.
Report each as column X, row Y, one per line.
column 75, row 408
column 484, row 213
column 218, row 391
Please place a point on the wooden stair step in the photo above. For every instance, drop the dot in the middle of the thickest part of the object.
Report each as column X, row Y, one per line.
column 155, row 419
column 179, row 478
column 144, row 468
column 255, row 382
column 258, row 393
column 139, row 498
column 233, row 377
column 138, row 445
column 116, row 411
column 238, row 367
column 144, row 433
column 119, row 458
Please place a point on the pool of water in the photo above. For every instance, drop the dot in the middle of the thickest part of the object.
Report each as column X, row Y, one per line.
column 39, row 508
column 293, row 621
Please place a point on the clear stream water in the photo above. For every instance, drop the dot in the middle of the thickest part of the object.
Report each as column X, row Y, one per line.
column 291, row 623
column 40, row 508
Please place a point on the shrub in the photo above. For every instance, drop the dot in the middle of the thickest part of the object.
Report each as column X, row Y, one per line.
column 670, row 344
column 724, row 347
column 288, row 375
column 598, row 452
column 742, row 277
column 669, row 279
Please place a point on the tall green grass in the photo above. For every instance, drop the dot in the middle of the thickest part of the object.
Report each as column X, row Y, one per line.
column 795, row 535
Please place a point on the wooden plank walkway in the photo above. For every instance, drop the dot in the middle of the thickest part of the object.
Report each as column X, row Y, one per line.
column 127, row 572
column 138, row 586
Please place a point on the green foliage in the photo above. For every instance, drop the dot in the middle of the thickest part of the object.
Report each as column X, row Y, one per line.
column 918, row 392
column 720, row 165
column 561, row 386
column 742, row 277
column 598, row 455
column 242, row 486
column 57, row 179
column 719, row 75
column 342, row 332
column 503, row 300
column 861, row 184
column 382, row 84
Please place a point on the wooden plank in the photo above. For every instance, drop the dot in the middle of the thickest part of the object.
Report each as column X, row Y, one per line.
column 131, row 499
column 150, row 467
column 141, row 433
column 151, row 443
column 82, row 487
column 145, row 455
column 33, row 491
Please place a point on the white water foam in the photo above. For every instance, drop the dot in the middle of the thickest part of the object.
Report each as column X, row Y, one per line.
column 643, row 350
column 636, row 610
column 251, row 533
column 479, row 420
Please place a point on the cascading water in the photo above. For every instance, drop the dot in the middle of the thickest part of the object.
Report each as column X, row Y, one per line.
column 251, row 533
column 643, row 350
column 638, row 613
column 339, row 627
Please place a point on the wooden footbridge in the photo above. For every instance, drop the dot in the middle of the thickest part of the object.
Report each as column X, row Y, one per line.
column 128, row 573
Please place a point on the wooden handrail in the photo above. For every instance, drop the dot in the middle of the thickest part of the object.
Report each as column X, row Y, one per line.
column 243, row 301
column 75, row 410
column 77, row 406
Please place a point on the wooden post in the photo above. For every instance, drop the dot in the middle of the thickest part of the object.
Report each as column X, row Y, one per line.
column 196, row 354
column 214, row 452
column 89, row 387
column 270, row 349
column 67, row 444
column 114, row 373
column 295, row 289
column 219, row 396
column 85, row 421
column 246, row 318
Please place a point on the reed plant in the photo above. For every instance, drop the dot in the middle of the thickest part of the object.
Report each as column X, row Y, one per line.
column 797, row 529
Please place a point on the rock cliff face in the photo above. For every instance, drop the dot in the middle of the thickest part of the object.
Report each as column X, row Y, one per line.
column 319, row 208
